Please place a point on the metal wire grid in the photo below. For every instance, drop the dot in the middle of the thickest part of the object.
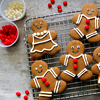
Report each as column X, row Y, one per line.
column 62, row 24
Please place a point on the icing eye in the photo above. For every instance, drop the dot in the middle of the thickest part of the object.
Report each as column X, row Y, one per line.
column 92, row 10
column 98, row 54
column 36, row 69
column 41, row 22
column 35, row 24
column 40, row 66
column 78, row 47
column 72, row 47
column 87, row 9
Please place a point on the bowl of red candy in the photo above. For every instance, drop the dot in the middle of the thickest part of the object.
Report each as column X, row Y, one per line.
column 9, row 33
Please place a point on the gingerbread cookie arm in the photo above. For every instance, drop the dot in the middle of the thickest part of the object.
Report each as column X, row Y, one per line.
column 89, row 58
column 56, row 71
column 95, row 69
column 30, row 39
column 34, row 84
column 75, row 18
column 62, row 59
column 53, row 34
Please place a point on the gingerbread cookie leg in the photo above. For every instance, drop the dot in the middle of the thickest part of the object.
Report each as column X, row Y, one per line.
column 67, row 75
column 76, row 34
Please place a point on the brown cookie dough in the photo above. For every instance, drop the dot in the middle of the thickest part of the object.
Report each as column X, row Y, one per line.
column 45, row 79
column 76, row 62
column 96, row 67
column 87, row 23
column 42, row 39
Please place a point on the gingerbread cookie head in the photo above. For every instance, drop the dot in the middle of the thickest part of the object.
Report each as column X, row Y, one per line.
column 39, row 25
column 96, row 54
column 75, row 48
column 90, row 10
column 38, row 68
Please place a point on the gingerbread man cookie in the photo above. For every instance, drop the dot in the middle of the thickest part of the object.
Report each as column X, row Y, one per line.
column 45, row 79
column 87, row 24
column 42, row 39
column 76, row 62
column 96, row 67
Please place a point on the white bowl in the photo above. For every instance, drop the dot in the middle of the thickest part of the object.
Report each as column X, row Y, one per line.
column 3, row 23
column 4, row 6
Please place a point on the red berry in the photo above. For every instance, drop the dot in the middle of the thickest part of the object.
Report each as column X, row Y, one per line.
column 49, row 5
column 1, row 36
column 60, row 10
column 43, row 79
column 18, row 93
column 52, row 1
column 4, row 43
column 12, row 36
column 46, row 83
column 75, row 66
column 86, row 27
column 27, row 92
column 7, row 41
column 2, row 39
column 32, row 59
column 59, row 6
column 25, row 97
column 3, row 27
column 87, row 21
column 75, row 60
column 65, row 3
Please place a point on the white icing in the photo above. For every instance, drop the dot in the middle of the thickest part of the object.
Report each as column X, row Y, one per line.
column 41, row 95
column 69, row 73
column 48, row 33
column 91, row 35
column 79, row 32
column 98, row 65
column 82, row 15
column 78, row 47
column 99, row 80
column 56, row 86
column 36, row 69
column 82, row 72
column 45, row 92
column 34, row 34
column 36, row 77
column 72, row 47
column 40, row 66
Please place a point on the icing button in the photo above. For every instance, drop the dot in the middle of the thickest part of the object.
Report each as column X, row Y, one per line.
column 45, row 31
column 86, row 27
column 87, row 21
column 38, row 34
column 75, row 66
column 42, row 33
column 43, row 79
column 46, row 83
column 75, row 60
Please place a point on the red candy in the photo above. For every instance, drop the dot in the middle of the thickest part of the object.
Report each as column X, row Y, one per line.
column 49, row 5
column 43, row 79
column 32, row 59
column 8, row 34
column 27, row 92
column 87, row 21
column 65, row 3
column 86, row 27
column 60, row 10
column 75, row 66
column 59, row 6
column 25, row 97
column 52, row 1
column 18, row 93
column 46, row 83
column 75, row 60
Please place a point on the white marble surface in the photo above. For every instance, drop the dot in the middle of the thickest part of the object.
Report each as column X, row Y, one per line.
column 14, row 70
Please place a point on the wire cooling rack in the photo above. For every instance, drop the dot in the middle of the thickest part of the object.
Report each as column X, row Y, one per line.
column 62, row 24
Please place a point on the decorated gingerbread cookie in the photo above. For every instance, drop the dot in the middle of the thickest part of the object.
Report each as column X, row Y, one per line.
column 45, row 79
column 76, row 62
column 87, row 23
column 96, row 67
column 42, row 39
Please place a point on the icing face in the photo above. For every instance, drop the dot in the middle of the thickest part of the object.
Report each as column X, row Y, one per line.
column 96, row 54
column 90, row 10
column 38, row 68
column 75, row 48
column 39, row 25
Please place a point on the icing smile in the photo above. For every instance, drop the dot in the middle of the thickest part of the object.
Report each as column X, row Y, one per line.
column 89, row 14
column 40, row 71
column 75, row 52
column 39, row 27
